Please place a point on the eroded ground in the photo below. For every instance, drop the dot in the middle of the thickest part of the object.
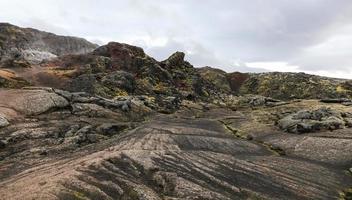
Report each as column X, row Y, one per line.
column 72, row 146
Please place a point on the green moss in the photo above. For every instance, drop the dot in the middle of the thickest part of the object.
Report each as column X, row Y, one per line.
column 162, row 88
column 130, row 193
column 79, row 195
column 235, row 132
column 15, row 84
column 120, row 92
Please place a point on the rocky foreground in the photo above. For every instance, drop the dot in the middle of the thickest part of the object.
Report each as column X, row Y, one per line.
column 114, row 123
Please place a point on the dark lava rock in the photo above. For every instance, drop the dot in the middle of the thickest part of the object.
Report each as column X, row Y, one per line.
column 117, row 83
column 120, row 79
column 343, row 101
column 176, row 59
column 110, row 129
column 2, row 144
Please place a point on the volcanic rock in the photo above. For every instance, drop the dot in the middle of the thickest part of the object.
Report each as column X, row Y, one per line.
column 311, row 121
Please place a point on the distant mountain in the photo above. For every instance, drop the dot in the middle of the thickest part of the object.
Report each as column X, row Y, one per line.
column 34, row 46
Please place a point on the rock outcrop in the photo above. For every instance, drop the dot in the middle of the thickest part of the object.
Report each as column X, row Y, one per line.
column 217, row 77
column 306, row 121
column 120, row 69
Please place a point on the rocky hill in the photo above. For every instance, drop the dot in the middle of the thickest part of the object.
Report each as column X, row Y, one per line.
column 295, row 86
column 31, row 45
column 114, row 123
column 279, row 85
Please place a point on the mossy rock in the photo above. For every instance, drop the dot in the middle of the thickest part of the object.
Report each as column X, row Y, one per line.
column 287, row 86
column 346, row 194
column 217, row 77
column 13, row 83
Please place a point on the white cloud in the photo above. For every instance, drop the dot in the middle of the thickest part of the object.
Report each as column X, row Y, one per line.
column 285, row 67
column 274, row 66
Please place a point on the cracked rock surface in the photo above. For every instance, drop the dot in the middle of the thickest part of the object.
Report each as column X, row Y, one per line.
column 77, row 146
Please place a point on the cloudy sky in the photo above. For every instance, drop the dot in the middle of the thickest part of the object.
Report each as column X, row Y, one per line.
column 314, row 36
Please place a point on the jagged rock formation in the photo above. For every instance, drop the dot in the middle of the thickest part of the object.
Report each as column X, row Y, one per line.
column 114, row 123
column 119, row 69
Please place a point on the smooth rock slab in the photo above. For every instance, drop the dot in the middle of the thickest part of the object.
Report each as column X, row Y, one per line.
column 169, row 158
column 31, row 102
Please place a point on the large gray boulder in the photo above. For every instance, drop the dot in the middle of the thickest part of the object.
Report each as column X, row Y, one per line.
column 306, row 121
column 32, row 102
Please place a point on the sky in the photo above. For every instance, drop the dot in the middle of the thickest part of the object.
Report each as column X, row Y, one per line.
column 312, row 36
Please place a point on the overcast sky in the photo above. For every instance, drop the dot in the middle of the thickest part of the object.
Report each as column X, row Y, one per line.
column 314, row 36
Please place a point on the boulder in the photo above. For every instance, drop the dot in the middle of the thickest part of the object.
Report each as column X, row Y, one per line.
column 3, row 121
column 110, row 129
column 32, row 102
column 306, row 121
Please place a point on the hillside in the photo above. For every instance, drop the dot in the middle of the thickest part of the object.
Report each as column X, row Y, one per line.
column 26, row 44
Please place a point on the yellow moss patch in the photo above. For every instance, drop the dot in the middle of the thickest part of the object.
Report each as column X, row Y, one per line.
column 79, row 195
column 341, row 89
column 346, row 194
column 62, row 73
column 120, row 92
